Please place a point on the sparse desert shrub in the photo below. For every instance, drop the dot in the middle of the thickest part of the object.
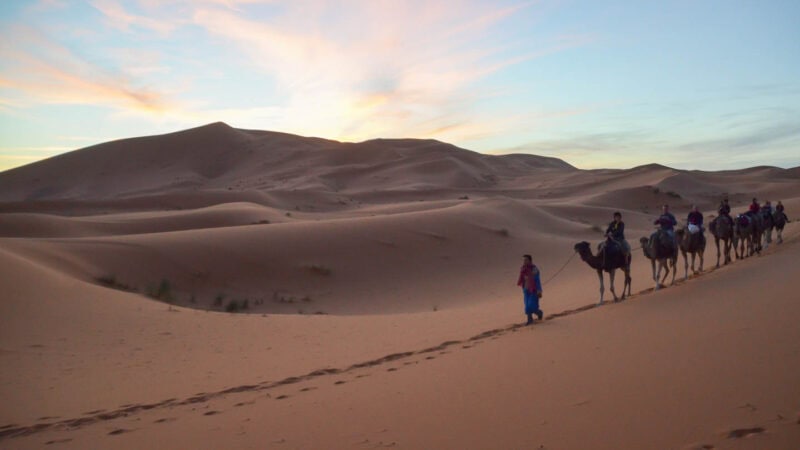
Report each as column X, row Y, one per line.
column 162, row 292
column 288, row 214
column 232, row 306
column 279, row 298
column 503, row 232
column 673, row 194
column 261, row 222
column 218, row 300
column 597, row 228
column 111, row 281
column 656, row 190
column 464, row 197
column 318, row 269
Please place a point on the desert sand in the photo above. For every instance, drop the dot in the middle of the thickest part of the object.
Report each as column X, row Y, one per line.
column 228, row 288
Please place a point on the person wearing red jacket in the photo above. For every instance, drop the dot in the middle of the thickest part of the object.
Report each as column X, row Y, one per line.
column 530, row 282
column 754, row 207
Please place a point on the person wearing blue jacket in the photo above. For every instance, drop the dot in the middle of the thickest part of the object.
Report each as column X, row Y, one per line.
column 667, row 221
column 530, row 281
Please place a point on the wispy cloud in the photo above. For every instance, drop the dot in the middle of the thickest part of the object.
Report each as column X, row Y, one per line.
column 50, row 73
column 118, row 16
column 406, row 65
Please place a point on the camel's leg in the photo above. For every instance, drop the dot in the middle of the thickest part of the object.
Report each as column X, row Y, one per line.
column 665, row 264
column 611, row 282
column 728, row 258
column 653, row 266
column 628, row 280
column 602, row 288
column 656, row 273
column 779, row 236
column 701, row 261
column 674, row 269
column 686, row 266
column 716, row 242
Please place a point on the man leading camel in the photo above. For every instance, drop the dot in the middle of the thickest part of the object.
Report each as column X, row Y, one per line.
column 530, row 281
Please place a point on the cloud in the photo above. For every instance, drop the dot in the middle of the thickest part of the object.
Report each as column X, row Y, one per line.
column 362, row 69
column 753, row 139
column 116, row 15
column 751, row 147
column 349, row 70
column 50, row 73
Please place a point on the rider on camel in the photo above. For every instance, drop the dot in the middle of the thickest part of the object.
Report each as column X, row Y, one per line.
column 754, row 207
column 667, row 223
column 616, row 232
column 779, row 209
column 724, row 210
column 695, row 218
column 767, row 209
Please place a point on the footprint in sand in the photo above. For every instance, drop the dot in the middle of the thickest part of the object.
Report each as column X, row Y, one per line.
column 119, row 431
column 744, row 432
column 211, row 413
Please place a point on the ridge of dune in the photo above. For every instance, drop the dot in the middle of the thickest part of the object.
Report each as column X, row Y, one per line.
column 219, row 157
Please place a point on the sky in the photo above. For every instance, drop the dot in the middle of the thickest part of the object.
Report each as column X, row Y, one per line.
column 707, row 85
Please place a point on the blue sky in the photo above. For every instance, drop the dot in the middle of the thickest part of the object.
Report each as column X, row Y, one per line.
column 690, row 84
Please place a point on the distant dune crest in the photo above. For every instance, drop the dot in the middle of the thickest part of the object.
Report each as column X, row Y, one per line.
column 219, row 157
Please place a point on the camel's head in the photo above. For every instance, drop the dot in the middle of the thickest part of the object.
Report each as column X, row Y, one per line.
column 680, row 232
column 643, row 241
column 582, row 247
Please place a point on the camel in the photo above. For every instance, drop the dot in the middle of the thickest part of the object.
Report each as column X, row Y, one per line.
column 659, row 248
column 743, row 228
column 694, row 243
column 722, row 229
column 780, row 220
column 609, row 259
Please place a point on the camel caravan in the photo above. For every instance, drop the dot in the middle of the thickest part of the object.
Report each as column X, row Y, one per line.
column 747, row 234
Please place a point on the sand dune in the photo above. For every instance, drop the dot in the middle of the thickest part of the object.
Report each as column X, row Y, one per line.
column 375, row 299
